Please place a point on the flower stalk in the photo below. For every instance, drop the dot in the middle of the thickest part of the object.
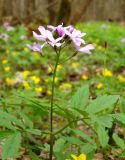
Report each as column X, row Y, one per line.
column 51, row 107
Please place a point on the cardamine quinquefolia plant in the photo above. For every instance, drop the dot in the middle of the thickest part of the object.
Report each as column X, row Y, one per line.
column 58, row 38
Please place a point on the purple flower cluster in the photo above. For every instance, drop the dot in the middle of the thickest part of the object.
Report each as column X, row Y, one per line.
column 4, row 36
column 7, row 26
column 59, row 36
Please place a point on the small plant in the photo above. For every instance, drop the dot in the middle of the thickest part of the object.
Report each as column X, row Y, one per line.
column 59, row 37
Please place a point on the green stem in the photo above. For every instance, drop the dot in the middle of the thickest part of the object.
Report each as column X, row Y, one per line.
column 51, row 108
column 67, row 125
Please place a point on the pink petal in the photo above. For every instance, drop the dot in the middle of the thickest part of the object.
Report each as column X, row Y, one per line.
column 58, row 44
column 38, row 37
column 51, row 43
column 82, row 34
column 42, row 30
column 49, row 35
column 87, row 48
column 80, row 40
column 58, row 39
column 35, row 47
column 51, row 27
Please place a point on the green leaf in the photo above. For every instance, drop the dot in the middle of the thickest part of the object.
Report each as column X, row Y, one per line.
column 103, row 136
column 74, row 140
column 102, row 120
column 11, row 118
column 7, row 124
column 59, row 148
column 101, row 103
column 41, row 106
column 87, row 148
column 84, row 136
column 59, row 145
column 5, row 134
column 34, row 131
column 60, row 155
column 120, row 117
column 64, row 111
column 84, row 113
column 122, row 155
column 26, row 120
column 33, row 156
column 11, row 146
column 80, row 99
column 120, row 142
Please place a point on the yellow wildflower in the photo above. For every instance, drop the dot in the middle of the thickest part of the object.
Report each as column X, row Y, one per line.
column 35, row 79
column 66, row 86
column 9, row 81
column 121, row 78
column 46, row 80
column 59, row 67
column 4, row 61
column 49, row 92
column 7, row 51
column 38, row 89
column 56, row 79
column 100, row 48
column 75, row 65
column 26, row 73
column 80, row 157
column 7, row 69
column 84, row 77
column 36, row 55
column 49, row 70
column 99, row 86
column 95, row 45
column 107, row 73
column 25, row 49
column 26, row 85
